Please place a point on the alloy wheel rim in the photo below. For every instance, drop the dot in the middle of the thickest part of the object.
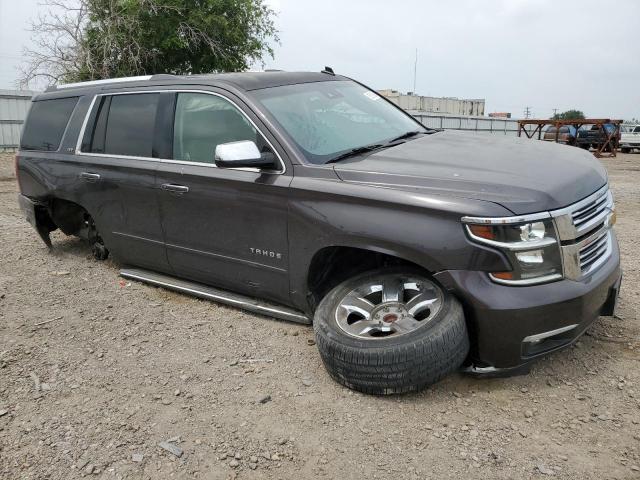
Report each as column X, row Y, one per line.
column 390, row 306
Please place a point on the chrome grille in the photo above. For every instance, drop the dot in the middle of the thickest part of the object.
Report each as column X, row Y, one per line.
column 585, row 234
column 593, row 213
column 577, row 220
column 595, row 252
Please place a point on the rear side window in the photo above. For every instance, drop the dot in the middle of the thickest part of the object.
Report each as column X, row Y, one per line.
column 123, row 125
column 46, row 124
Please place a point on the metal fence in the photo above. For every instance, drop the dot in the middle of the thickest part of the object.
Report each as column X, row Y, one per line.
column 14, row 105
column 500, row 126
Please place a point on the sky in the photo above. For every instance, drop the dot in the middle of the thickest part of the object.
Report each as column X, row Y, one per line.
column 541, row 54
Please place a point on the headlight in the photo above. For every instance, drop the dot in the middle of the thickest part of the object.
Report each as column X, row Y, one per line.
column 532, row 248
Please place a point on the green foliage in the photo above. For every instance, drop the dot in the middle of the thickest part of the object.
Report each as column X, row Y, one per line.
column 569, row 115
column 138, row 37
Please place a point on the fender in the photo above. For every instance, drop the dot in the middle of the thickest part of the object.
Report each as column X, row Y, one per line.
column 422, row 229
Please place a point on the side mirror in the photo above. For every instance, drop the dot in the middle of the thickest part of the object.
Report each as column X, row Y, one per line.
column 243, row 154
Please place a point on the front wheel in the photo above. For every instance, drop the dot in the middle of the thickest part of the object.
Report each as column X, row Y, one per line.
column 625, row 150
column 390, row 331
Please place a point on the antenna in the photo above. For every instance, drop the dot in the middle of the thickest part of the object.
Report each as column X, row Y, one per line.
column 415, row 72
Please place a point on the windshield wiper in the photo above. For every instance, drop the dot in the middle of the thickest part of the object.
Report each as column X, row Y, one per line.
column 356, row 151
column 410, row 134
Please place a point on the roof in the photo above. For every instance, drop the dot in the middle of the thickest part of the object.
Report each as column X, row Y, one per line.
column 242, row 80
column 17, row 94
column 257, row 80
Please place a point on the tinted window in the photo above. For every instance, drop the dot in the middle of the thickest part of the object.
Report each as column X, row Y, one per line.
column 204, row 121
column 124, row 125
column 46, row 124
column 637, row 130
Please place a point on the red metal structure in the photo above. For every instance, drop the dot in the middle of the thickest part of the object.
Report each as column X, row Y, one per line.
column 606, row 149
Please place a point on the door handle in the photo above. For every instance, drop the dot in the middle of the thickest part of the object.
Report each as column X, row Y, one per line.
column 173, row 188
column 90, row 177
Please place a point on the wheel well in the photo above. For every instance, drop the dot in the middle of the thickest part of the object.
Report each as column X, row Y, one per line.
column 331, row 266
column 68, row 216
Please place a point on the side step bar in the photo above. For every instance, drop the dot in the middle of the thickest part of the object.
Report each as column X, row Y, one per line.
column 217, row 295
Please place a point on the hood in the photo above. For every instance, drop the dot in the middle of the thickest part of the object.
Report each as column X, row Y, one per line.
column 522, row 175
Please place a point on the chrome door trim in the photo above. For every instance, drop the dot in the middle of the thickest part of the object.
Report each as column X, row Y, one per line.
column 78, row 150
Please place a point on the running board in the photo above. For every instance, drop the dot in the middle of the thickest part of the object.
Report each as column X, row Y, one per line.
column 211, row 293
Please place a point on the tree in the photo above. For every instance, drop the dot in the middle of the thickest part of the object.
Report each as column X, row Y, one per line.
column 569, row 115
column 93, row 39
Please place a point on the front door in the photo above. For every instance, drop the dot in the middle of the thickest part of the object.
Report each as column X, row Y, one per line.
column 223, row 227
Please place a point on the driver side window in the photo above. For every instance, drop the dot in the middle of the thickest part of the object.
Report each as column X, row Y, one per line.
column 204, row 121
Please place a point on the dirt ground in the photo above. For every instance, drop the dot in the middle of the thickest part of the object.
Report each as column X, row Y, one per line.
column 95, row 372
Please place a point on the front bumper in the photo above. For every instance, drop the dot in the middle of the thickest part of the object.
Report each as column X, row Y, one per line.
column 553, row 315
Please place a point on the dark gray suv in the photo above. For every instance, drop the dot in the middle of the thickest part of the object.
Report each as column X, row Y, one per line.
column 309, row 197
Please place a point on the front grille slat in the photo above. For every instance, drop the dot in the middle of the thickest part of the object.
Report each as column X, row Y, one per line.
column 595, row 205
column 591, row 216
column 593, row 246
column 593, row 253
column 593, row 256
column 596, row 210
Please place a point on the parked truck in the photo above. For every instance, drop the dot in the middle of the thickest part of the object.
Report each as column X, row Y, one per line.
column 629, row 138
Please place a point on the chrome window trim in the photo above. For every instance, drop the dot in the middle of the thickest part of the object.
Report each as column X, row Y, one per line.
column 507, row 220
column 78, row 150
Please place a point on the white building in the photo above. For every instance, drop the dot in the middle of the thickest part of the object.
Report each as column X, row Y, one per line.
column 448, row 105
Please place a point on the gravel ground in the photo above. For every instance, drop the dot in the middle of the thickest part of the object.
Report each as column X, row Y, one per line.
column 96, row 372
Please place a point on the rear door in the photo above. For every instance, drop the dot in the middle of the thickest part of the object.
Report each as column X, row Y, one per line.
column 223, row 227
column 116, row 171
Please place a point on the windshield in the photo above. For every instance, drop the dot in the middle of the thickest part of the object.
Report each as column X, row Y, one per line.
column 326, row 119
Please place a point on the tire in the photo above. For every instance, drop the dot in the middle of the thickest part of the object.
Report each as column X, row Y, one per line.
column 625, row 150
column 397, row 362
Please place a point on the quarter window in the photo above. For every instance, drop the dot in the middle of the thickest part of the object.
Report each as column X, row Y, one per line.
column 46, row 124
column 204, row 121
column 124, row 125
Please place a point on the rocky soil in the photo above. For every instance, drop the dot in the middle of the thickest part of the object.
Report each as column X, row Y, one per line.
column 105, row 378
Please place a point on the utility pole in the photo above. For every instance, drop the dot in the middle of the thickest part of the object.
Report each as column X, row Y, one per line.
column 555, row 112
column 527, row 112
column 415, row 72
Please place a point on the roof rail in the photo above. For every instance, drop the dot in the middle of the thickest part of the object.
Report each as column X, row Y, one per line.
column 105, row 81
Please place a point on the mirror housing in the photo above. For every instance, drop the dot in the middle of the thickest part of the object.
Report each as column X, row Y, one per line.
column 243, row 154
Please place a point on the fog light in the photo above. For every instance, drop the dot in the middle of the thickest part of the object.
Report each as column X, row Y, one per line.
column 530, row 257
